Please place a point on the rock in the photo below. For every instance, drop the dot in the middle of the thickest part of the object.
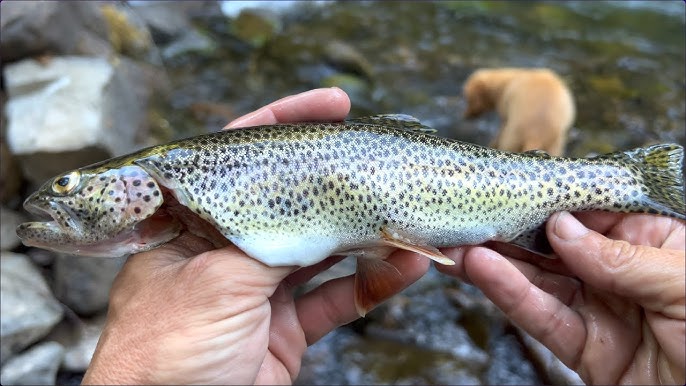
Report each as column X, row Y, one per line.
column 41, row 257
column 190, row 42
column 509, row 365
column 8, row 225
column 255, row 26
column 556, row 371
column 36, row 366
column 70, row 112
column 30, row 28
column 344, row 358
column 126, row 32
column 166, row 20
column 10, row 174
column 347, row 59
column 83, row 283
column 79, row 338
column 423, row 315
column 27, row 308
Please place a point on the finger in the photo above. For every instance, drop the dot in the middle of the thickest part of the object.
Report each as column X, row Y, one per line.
column 636, row 228
column 331, row 304
column 542, row 315
column 286, row 339
column 457, row 270
column 653, row 277
column 599, row 221
column 323, row 104
column 304, row 274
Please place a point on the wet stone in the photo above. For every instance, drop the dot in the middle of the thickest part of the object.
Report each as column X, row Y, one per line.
column 31, row 28
column 83, row 283
column 79, row 336
column 10, row 173
column 556, row 371
column 27, row 308
column 69, row 111
column 9, row 220
column 509, row 365
column 35, row 366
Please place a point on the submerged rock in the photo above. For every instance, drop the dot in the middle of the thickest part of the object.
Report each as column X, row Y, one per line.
column 36, row 366
column 27, row 308
column 556, row 371
column 79, row 338
column 31, row 28
column 10, row 173
column 9, row 220
column 83, row 283
column 69, row 112
column 255, row 26
column 508, row 365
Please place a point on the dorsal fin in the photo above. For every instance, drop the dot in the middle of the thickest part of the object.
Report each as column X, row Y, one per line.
column 538, row 152
column 396, row 121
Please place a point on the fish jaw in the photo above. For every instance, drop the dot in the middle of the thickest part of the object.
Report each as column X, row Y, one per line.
column 147, row 234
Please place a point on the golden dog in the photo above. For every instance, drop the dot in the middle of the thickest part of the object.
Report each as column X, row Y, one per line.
column 535, row 106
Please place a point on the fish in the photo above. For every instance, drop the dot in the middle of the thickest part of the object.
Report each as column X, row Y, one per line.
column 295, row 194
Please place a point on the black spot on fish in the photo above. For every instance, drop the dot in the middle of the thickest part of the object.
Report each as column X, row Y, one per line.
column 137, row 210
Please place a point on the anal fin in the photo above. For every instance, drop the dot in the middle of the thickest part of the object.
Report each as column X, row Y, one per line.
column 375, row 281
column 534, row 240
column 395, row 239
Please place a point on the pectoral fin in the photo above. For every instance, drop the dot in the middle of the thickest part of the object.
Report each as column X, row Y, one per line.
column 375, row 281
column 395, row 239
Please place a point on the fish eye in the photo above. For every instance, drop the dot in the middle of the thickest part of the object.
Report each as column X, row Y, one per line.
column 66, row 183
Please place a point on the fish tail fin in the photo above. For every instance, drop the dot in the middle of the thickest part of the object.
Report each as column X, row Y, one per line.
column 661, row 167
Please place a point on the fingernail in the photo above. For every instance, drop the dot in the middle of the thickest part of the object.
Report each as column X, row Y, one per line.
column 567, row 227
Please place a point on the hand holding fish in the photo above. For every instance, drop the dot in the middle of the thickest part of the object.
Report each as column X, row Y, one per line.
column 189, row 313
column 622, row 320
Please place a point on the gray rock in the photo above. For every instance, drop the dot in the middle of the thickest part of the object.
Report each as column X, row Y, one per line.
column 423, row 315
column 36, row 366
column 509, row 365
column 10, row 173
column 27, row 308
column 31, row 28
column 69, row 112
column 41, row 257
column 557, row 372
column 166, row 20
column 83, row 283
column 9, row 220
column 79, row 338
column 347, row 59
column 191, row 41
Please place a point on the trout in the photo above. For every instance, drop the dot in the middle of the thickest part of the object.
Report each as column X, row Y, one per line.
column 294, row 194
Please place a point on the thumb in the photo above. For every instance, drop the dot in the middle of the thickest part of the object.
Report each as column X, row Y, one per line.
column 650, row 276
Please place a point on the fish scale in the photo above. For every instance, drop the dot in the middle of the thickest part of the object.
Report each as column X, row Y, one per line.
column 293, row 194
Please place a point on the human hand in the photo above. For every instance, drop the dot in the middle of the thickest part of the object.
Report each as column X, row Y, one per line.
column 189, row 313
column 611, row 308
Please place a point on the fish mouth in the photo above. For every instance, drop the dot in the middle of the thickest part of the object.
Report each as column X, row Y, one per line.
column 46, row 214
column 38, row 211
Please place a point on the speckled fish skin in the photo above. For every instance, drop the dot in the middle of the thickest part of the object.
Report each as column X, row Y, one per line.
column 293, row 194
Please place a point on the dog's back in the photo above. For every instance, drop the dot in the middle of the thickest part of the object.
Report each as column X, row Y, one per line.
column 535, row 106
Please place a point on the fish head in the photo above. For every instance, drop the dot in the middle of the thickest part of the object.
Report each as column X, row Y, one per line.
column 98, row 212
